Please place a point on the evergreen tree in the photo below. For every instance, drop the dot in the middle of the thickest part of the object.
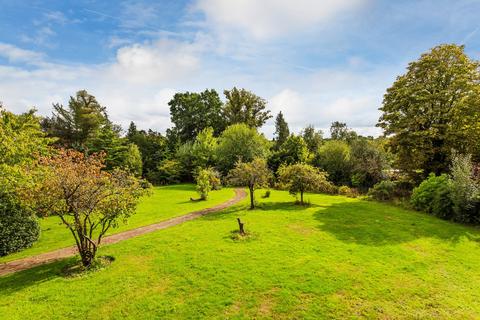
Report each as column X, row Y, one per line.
column 281, row 130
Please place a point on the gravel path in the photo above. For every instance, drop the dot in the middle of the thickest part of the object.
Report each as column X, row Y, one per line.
column 30, row 262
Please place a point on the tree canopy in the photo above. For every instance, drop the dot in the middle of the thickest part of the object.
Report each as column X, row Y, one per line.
column 192, row 112
column 240, row 142
column 243, row 106
column 433, row 108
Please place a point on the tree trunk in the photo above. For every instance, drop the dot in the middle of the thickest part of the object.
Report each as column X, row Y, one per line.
column 252, row 200
column 301, row 198
column 240, row 227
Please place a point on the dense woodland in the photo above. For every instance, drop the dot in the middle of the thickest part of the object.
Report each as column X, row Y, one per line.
column 427, row 158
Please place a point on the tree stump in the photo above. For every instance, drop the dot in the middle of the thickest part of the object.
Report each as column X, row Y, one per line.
column 240, row 227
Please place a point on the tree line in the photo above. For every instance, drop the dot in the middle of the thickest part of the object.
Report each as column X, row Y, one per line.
column 430, row 118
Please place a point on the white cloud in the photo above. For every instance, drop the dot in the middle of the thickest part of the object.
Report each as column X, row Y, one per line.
column 15, row 54
column 161, row 60
column 271, row 18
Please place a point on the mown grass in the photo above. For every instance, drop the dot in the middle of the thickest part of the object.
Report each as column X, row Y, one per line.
column 338, row 258
column 163, row 203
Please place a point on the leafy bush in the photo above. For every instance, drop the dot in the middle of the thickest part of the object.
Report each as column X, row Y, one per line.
column 19, row 229
column 266, row 194
column 465, row 190
column 207, row 180
column 434, row 195
column 384, row 190
column 347, row 191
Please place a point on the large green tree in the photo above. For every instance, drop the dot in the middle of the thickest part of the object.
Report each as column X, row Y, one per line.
column 191, row 112
column 433, row 108
column 240, row 143
column 243, row 106
column 74, row 125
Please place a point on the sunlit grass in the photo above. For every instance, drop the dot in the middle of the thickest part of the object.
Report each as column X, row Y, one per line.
column 164, row 203
column 338, row 258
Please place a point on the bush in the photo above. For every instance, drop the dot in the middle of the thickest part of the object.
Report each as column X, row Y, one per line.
column 384, row 190
column 266, row 194
column 434, row 195
column 465, row 190
column 347, row 191
column 19, row 229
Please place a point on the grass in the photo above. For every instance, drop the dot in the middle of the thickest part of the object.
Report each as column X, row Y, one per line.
column 164, row 203
column 337, row 258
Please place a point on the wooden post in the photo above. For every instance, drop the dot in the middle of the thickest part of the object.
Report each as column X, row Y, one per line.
column 240, row 226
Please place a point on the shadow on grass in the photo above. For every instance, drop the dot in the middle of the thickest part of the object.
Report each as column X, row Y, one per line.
column 377, row 224
column 32, row 277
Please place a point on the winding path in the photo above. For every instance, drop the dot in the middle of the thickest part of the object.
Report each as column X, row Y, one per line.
column 30, row 262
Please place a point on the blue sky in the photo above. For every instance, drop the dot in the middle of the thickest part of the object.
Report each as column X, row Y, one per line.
column 317, row 61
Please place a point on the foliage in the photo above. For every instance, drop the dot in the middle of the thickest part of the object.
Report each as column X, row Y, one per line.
column 167, row 172
column 465, row 190
column 240, row 143
column 254, row 174
column 281, row 130
column 300, row 178
column 243, row 106
column 88, row 200
column 312, row 138
column 207, row 179
column 132, row 160
column 78, row 123
column 21, row 138
column 204, row 148
column 19, row 228
column 152, row 146
column 384, row 190
column 293, row 150
column 192, row 112
column 334, row 157
column 434, row 196
column 340, row 131
column 347, row 191
column 368, row 163
column 433, row 108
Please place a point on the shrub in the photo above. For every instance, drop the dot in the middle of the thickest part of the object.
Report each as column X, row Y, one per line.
column 347, row 191
column 19, row 229
column 266, row 194
column 207, row 180
column 465, row 190
column 384, row 190
column 434, row 195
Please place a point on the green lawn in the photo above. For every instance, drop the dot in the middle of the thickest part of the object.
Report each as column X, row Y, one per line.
column 339, row 258
column 164, row 203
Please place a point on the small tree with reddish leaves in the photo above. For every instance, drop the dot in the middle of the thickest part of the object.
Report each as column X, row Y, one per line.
column 88, row 200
